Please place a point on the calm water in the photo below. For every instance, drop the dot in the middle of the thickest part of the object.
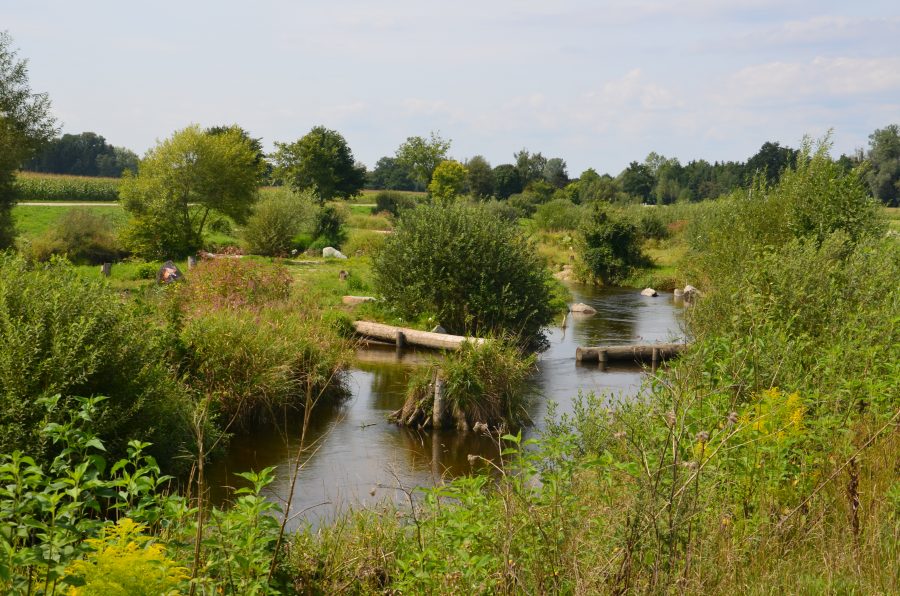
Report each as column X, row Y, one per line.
column 357, row 450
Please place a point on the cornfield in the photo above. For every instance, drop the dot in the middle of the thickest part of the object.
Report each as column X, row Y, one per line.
column 52, row 187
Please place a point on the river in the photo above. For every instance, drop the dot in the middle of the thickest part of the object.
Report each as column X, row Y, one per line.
column 357, row 452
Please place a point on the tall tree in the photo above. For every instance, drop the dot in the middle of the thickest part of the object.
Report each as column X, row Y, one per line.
column 555, row 172
column 481, row 177
column 637, row 180
column 25, row 124
column 322, row 160
column 421, row 156
column 180, row 182
column 530, row 166
column 771, row 159
column 884, row 156
column 507, row 181
column 389, row 174
column 83, row 154
column 265, row 167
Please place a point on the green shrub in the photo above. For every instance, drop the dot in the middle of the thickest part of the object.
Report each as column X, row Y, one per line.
column 610, row 246
column 147, row 270
column 82, row 236
column 363, row 243
column 51, row 187
column 63, row 334
column 559, row 214
column 276, row 220
column 476, row 272
column 329, row 225
column 651, row 225
column 394, row 202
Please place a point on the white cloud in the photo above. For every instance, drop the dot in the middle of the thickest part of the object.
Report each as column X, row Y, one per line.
column 821, row 79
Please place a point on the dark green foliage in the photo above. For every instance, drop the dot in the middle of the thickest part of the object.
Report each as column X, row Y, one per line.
column 475, row 271
column 507, row 181
column 389, row 174
column 394, row 202
column 480, row 177
column 85, row 154
column 25, row 124
column 83, row 236
column 329, row 225
column 320, row 160
column 651, row 225
column 884, row 157
column 610, row 246
column 637, row 180
column 62, row 334
column 770, row 161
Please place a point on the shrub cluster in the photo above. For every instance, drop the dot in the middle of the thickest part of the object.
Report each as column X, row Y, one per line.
column 63, row 334
column 610, row 246
column 558, row 215
column 394, row 202
column 474, row 271
column 82, row 236
column 276, row 221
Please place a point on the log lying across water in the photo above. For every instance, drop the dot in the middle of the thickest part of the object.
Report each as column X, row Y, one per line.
column 636, row 353
column 402, row 336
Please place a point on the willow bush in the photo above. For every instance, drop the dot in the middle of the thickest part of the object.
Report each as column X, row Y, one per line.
column 474, row 271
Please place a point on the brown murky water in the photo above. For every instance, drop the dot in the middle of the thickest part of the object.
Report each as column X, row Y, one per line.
column 356, row 449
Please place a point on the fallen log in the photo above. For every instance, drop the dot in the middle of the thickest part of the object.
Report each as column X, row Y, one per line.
column 635, row 353
column 402, row 336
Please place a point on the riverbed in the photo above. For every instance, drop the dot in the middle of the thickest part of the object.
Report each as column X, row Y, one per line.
column 358, row 458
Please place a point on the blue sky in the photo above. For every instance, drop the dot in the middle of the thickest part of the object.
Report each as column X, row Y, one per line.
column 597, row 83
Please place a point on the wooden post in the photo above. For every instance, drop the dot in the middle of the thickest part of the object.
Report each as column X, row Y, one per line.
column 654, row 362
column 401, row 340
column 438, row 411
column 105, row 269
column 192, row 262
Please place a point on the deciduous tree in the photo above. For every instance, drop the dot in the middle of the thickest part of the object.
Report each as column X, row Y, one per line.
column 322, row 160
column 180, row 182
column 448, row 180
column 421, row 156
column 25, row 124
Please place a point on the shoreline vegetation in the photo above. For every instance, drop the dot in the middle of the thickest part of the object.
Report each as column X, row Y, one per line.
column 762, row 459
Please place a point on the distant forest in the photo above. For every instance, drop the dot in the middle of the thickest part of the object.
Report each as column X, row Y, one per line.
column 531, row 178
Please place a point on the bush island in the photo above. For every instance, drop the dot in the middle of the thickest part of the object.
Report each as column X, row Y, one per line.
column 610, row 246
column 474, row 271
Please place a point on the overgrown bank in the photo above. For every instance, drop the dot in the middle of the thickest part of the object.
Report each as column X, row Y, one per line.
column 763, row 461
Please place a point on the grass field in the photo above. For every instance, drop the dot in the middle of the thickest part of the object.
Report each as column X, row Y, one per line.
column 893, row 217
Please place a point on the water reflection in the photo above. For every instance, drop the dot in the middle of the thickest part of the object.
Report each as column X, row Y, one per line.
column 356, row 450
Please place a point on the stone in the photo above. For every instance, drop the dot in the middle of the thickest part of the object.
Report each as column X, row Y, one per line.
column 679, row 292
column 649, row 292
column 438, row 329
column 690, row 292
column 343, row 275
column 168, row 273
column 583, row 309
column 566, row 274
column 332, row 252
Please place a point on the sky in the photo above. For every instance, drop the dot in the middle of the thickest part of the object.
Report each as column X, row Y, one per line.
column 598, row 83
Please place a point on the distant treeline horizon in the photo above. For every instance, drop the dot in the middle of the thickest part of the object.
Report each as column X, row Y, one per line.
column 657, row 179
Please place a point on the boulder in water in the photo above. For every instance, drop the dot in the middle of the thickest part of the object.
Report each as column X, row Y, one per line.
column 649, row 292
column 583, row 309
